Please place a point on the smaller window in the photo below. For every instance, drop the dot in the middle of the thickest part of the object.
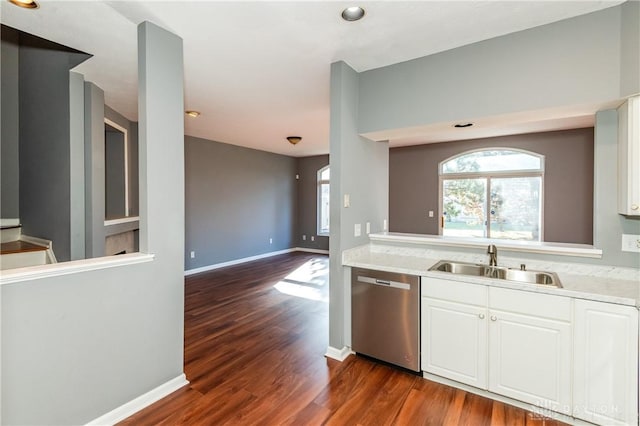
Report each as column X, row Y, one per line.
column 323, row 200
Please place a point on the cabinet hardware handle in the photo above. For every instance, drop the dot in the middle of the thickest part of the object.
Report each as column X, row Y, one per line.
column 481, row 316
column 494, row 318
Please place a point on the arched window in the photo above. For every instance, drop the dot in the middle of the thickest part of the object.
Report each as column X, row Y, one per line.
column 323, row 200
column 492, row 193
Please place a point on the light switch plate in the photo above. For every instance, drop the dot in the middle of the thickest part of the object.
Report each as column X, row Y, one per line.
column 347, row 201
column 430, row 213
column 357, row 230
column 384, row 225
column 368, row 228
column 631, row 243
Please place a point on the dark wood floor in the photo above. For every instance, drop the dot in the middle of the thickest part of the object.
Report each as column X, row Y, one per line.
column 254, row 354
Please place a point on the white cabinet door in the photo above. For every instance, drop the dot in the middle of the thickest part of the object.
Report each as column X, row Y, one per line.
column 454, row 341
column 529, row 359
column 606, row 363
column 629, row 157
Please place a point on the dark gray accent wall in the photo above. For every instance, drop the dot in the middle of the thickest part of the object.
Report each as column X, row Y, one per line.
column 307, row 195
column 45, row 168
column 114, row 181
column 9, row 144
column 236, row 200
column 568, row 182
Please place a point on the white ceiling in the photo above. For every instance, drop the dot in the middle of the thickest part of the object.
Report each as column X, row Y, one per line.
column 259, row 71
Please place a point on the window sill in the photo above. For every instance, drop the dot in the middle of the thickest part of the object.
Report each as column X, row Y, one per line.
column 560, row 249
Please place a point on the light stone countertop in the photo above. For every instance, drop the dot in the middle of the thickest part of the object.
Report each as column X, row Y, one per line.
column 582, row 281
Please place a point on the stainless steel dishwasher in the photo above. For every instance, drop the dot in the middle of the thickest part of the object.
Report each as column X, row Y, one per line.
column 385, row 316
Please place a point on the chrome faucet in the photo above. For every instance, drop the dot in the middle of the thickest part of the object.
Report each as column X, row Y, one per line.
column 492, row 251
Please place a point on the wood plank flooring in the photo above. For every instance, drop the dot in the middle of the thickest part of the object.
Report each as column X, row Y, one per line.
column 255, row 338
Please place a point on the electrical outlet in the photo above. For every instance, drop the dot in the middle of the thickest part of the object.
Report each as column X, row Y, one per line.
column 270, row 240
column 313, row 238
column 304, row 238
column 368, row 228
column 193, row 254
column 357, row 230
column 631, row 243
column 384, row 225
column 347, row 201
column 430, row 213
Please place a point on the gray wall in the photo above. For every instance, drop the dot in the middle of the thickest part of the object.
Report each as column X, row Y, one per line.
column 528, row 70
column 630, row 48
column 94, row 112
column 77, row 346
column 609, row 225
column 9, row 144
column 236, row 199
column 307, row 195
column 360, row 168
column 76, row 165
column 568, row 182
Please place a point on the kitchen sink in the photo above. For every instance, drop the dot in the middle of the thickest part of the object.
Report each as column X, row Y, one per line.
column 496, row 272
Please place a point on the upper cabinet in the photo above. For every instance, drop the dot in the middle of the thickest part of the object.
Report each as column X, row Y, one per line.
column 629, row 157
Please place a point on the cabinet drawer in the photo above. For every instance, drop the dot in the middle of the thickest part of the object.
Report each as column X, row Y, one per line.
column 529, row 303
column 454, row 291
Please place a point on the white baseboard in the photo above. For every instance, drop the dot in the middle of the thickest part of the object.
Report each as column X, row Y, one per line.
column 338, row 354
column 236, row 262
column 250, row 259
column 312, row 250
column 137, row 404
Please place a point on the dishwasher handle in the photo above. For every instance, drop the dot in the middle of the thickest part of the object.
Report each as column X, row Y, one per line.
column 386, row 283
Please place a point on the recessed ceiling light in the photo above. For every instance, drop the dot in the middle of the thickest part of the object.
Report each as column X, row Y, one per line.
column 27, row 4
column 193, row 114
column 353, row 13
column 463, row 125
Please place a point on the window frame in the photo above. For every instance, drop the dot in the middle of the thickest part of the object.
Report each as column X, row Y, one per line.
column 319, row 217
column 489, row 175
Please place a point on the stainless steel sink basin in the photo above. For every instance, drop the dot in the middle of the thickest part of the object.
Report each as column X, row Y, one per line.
column 479, row 270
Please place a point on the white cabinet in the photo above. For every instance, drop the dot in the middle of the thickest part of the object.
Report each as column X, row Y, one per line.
column 454, row 334
column 606, row 363
column 530, row 348
column 513, row 343
column 629, row 157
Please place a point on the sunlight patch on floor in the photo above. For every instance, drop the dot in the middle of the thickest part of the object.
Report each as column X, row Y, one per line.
column 309, row 281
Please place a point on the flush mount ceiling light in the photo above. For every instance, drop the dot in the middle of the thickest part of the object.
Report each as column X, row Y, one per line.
column 27, row 4
column 294, row 139
column 193, row 114
column 353, row 13
column 463, row 125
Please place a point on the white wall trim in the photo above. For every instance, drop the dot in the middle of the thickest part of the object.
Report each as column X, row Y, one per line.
column 9, row 222
column 11, row 276
column 121, row 220
column 125, row 410
column 250, row 259
column 338, row 354
column 312, row 250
